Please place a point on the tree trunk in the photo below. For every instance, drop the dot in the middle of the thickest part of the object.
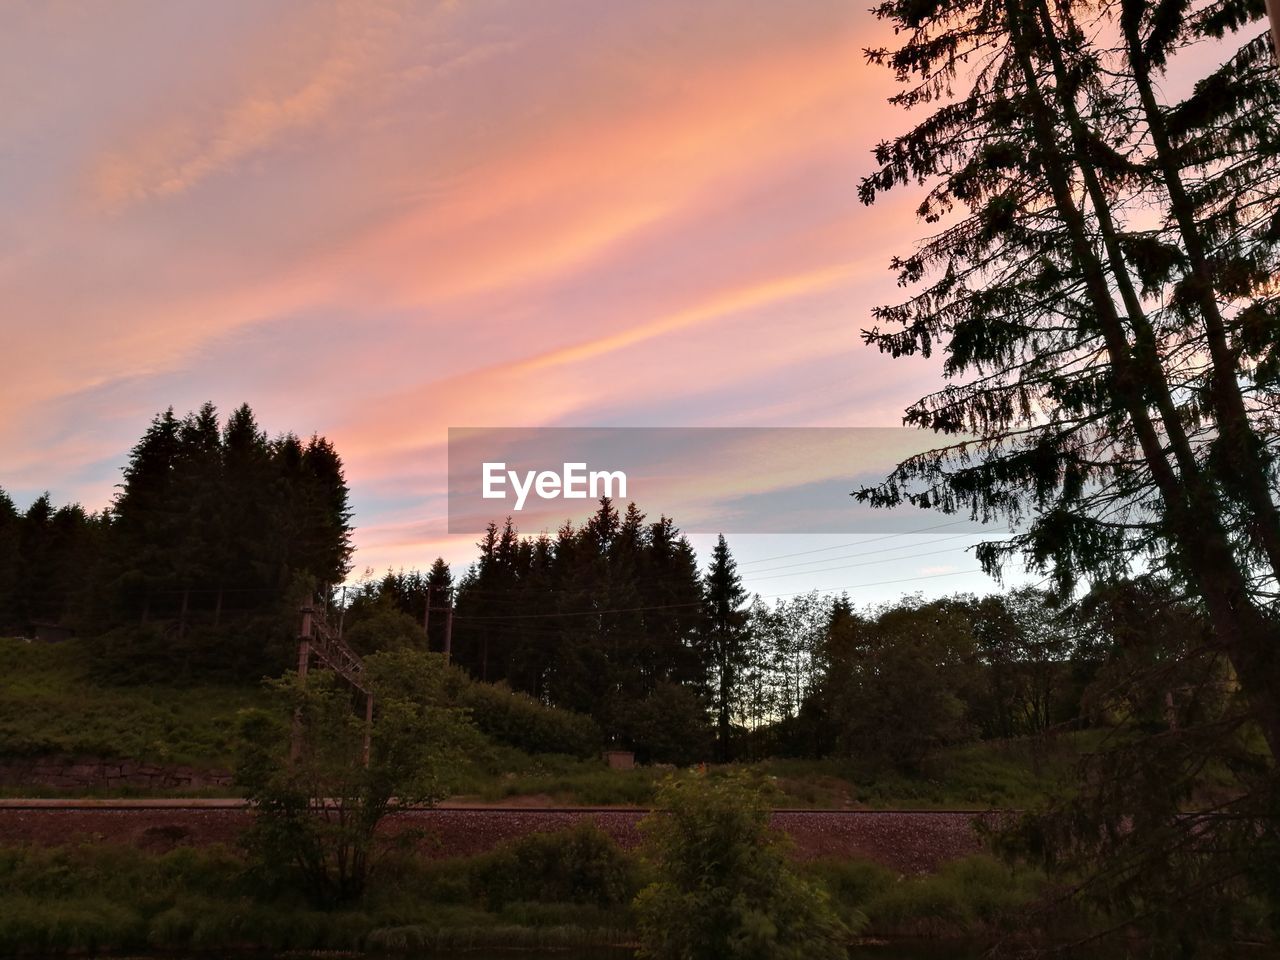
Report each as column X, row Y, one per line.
column 1193, row 523
column 1242, row 444
column 725, row 686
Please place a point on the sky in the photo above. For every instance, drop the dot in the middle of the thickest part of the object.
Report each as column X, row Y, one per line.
column 378, row 220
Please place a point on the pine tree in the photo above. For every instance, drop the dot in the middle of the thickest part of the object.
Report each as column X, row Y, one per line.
column 10, row 560
column 147, row 528
column 247, row 570
column 673, row 588
column 725, row 636
column 439, row 589
column 1116, row 375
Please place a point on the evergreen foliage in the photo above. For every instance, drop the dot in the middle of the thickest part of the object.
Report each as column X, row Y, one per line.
column 198, row 565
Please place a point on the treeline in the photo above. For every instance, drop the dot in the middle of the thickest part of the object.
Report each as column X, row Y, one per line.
column 191, row 567
column 613, row 619
column 606, row 619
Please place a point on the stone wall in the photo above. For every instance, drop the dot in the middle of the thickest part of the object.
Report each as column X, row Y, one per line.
column 83, row 773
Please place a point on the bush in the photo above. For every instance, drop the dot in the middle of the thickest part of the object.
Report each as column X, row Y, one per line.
column 852, row 885
column 522, row 722
column 725, row 888
column 317, row 809
column 668, row 726
column 384, row 628
column 581, row 865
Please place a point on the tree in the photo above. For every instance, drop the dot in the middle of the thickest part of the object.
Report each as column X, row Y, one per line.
column 724, row 887
column 147, row 528
column 1025, row 653
column 1114, row 374
column 896, row 686
column 10, row 562
column 669, row 725
column 1171, row 825
column 725, row 636
column 439, row 586
column 1102, row 283
column 381, row 626
column 594, row 619
column 316, row 815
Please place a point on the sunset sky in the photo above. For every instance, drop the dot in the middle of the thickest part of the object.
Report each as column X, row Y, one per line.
column 379, row 220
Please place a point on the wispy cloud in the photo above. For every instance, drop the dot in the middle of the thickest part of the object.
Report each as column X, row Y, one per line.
column 378, row 220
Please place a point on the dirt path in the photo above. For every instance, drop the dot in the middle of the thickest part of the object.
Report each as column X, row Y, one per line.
column 908, row 841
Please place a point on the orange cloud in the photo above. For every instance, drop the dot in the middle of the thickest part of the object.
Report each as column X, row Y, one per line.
column 187, row 149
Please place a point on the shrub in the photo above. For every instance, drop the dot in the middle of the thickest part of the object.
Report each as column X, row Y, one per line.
column 852, row 884
column 384, row 628
column 521, row 721
column 317, row 812
column 580, row 865
column 668, row 726
column 964, row 896
column 725, row 888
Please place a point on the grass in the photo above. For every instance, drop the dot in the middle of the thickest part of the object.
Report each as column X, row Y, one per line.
column 976, row 896
column 104, row 897
column 979, row 776
column 107, row 897
column 51, row 704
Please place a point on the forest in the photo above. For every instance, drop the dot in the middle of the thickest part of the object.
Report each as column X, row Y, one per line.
column 218, row 534
column 215, row 530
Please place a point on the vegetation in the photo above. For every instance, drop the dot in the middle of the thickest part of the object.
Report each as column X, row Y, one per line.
column 103, row 897
column 723, row 887
column 196, row 569
column 321, row 779
column 1100, row 274
column 53, row 703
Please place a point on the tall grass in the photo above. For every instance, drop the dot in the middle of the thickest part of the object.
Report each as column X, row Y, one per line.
column 52, row 704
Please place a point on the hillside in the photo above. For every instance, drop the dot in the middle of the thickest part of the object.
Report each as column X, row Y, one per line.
column 54, row 706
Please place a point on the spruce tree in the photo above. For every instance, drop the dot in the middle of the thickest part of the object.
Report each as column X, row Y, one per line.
column 1111, row 380
column 10, row 560
column 439, row 589
column 725, row 636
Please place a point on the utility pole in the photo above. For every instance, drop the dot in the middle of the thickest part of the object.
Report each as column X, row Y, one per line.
column 448, row 628
column 304, row 663
column 316, row 638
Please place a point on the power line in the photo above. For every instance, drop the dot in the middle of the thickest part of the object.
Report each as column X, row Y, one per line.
column 858, row 543
column 861, row 553
column 672, row 606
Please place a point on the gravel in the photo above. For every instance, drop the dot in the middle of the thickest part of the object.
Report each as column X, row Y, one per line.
column 906, row 841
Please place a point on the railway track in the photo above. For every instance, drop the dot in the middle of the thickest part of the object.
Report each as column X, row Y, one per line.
column 909, row 841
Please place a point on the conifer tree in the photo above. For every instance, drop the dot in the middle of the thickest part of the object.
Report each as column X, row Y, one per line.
column 1118, row 371
column 10, row 558
column 725, row 636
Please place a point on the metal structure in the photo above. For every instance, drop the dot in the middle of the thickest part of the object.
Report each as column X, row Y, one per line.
column 318, row 639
